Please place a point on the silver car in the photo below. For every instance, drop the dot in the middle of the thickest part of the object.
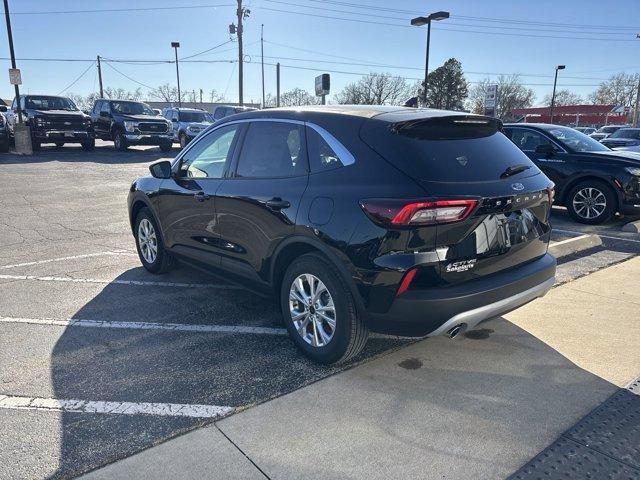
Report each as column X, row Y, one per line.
column 604, row 132
column 187, row 123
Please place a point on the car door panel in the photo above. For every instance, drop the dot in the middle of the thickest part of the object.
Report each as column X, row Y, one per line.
column 187, row 201
column 257, row 206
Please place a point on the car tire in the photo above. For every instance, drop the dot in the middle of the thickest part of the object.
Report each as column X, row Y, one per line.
column 183, row 140
column 349, row 333
column 120, row 141
column 591, row 202
column 89, row 145
column 166, row 147
column 148, row 235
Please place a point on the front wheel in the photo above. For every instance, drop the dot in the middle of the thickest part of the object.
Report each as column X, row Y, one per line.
column 149, row 244
column 166, row 147
column 320, row 312
column 88, row 145
column 591, row 202
column 120, row 141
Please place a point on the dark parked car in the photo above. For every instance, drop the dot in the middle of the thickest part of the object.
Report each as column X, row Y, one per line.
column 53, row 120
column 592, row 181
column 130, row 123
column 624, row 139
column 391, row 219
column 4, row 133
column 221, row 111
column 604, row 132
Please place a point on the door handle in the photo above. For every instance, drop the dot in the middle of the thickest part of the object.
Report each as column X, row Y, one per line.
column 277, row 203
column 201, row 196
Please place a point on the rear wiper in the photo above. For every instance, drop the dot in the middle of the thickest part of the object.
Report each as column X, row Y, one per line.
column 514, row 169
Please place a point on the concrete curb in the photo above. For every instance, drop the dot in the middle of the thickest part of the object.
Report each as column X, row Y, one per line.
column 574, row 245
column 633, row 227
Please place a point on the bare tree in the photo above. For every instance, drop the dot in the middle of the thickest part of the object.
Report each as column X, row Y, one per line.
column 122, row 94
column 292, row 98
column 620, row 89
column 376, row 89
column 511, row 95
column 216, row 97
column 165, row 93
column 563, row 97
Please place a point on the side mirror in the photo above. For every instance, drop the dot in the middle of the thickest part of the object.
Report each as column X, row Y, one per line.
column 546, row 149
column 104, row 114
column 3, row 108
column 161, row 169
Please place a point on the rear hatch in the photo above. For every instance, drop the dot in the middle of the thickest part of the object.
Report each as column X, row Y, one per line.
column 466, row 157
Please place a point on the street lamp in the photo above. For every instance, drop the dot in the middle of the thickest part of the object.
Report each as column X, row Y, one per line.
column 553, row 95
column 175, row 46
column 419, row 22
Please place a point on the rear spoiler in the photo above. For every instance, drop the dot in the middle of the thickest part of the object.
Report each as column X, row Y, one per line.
column 448, row 128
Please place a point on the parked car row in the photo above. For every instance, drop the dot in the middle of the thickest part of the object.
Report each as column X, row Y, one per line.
column 55, row 119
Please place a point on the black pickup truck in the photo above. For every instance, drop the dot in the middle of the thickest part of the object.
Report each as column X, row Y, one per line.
column 130, row 123
column 52, row 120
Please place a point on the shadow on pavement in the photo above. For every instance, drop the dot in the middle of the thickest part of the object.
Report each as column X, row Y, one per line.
column 168, row 366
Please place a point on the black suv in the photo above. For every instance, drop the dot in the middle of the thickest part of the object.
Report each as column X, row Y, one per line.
column 398, row 220
column 52, row 119
column 130, row 123
column 591, row 180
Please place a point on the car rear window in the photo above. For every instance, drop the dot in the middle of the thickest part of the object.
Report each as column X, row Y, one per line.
column 447, row 149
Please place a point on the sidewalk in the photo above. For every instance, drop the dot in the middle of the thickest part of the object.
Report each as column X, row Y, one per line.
column 476, row 407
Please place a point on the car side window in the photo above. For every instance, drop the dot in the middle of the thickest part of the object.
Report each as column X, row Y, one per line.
column 97, row 106
column 207, row 158
column 321, row 155
column 528, row 140
column 219, row 113
column 105, row 107
column 272, row 149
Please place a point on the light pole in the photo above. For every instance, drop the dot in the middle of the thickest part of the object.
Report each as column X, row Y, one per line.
column 418, row 22
column 553, row 95
column 175, row 46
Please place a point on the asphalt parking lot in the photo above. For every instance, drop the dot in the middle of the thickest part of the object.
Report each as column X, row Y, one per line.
column 83, row 323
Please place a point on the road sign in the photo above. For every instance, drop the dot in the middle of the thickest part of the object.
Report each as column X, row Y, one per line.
column 322, row 84
column 490, row 99
column 14, row 76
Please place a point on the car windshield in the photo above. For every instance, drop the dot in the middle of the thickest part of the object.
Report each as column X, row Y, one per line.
column 607, row 129
column 131, row 108
column 199, row 117
column 626, row 133
column 576, row 140
column 50, row 103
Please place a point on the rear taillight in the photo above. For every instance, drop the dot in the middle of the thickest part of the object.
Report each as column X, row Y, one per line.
column 551, row 191
column 403, row 212
column 406, row 281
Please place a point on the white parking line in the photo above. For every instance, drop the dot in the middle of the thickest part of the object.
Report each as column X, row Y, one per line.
column 122, row 408
column 120, row 282
column 623, row 239
column 181, row 327
column 63, row 259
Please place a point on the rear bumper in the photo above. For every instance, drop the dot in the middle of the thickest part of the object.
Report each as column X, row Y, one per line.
column 438, row 310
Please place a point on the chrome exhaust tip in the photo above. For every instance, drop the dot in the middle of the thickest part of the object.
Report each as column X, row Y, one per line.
column 457, row 330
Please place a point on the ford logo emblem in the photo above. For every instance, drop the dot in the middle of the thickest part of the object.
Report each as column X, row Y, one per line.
column 517, row 187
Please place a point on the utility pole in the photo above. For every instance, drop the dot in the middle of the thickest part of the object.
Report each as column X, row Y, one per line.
column 278, row 84
column 13, row 57
column 200, row 95
column 240, row 14
column 175, row 46
column 553, row 95
column 636, row 114
column 262, row 61
column 100, row 78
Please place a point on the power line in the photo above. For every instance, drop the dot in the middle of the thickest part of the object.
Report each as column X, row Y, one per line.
column 368, row 7
column 114, row 10
column 127, row 76
column 445, row 28
column 205, row 51
column 404, row 19
column 77, row 79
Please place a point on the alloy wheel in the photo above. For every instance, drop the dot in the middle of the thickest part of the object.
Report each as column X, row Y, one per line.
column 589, row 203
column 312, row 310
column 147, row 240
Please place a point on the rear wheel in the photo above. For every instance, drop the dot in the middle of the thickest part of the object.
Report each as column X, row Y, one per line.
column 591, row 202
column 119, row 141
column 149, row 244
column 319, row 311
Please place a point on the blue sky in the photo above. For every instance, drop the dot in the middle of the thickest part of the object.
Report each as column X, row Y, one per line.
column 305, row 36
